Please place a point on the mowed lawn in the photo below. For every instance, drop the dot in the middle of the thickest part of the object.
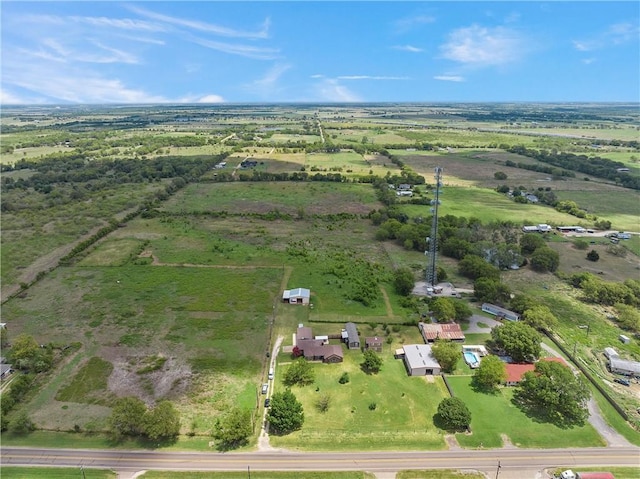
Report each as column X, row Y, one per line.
column 494, row 416
column 401, row 420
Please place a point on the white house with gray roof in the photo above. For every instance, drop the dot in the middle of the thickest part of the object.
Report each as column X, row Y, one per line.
column 419, row 360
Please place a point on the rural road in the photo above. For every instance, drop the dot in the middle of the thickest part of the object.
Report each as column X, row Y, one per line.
column 511, row 460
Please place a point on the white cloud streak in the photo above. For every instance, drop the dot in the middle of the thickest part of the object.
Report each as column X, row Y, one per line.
column 204, row 27
column 452, row 78
column 481, row 46
column 406, row 24
column 408, row 48
column 616, row 34
column 369, row 77
column 248, row 51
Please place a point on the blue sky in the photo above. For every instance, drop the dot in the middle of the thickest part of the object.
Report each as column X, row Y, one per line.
column 299, row 51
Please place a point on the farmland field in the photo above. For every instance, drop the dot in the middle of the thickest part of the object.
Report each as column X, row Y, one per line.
column 182, row 298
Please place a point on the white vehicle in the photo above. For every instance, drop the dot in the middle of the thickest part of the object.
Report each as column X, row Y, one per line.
column 265, row 387
column 271, row 374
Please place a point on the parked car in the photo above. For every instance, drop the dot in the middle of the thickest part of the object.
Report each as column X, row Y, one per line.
column 265, row 387
column 267, row 402
column 624, row 382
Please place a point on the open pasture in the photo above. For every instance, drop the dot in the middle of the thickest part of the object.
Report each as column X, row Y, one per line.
column 402, row 417
column 489, row 205
column 472, row 168
column 210, row 324
column 618, row 205
column 298, row 199
column 30, row 233
column 344, row 162
column 494, row 415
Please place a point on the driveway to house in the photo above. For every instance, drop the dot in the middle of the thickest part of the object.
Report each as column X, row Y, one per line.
column 613, row 437
column 474, row 327
column 263, row 439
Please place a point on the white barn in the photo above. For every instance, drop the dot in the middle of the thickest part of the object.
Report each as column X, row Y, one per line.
column 419, row 361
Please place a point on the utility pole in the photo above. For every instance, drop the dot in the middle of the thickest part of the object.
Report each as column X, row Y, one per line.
column 82, row 470
column 249, row 472
column 498, row 470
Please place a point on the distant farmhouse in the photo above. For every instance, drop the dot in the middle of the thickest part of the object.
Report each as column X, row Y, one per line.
column 296, row 296
column 541, row 228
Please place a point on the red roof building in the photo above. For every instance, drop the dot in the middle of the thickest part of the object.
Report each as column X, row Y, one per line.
column 516, row 371
column 432, row 331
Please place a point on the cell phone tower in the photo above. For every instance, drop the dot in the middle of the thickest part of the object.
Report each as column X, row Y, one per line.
column 432, row 241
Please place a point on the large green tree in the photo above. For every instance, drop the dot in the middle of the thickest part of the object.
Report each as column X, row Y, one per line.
column 518, row 340
column 403, row 281
column 540, row 317
column 162, row 422
column 447, row 353
column 474, row 267
column 299, row 372
column 454, row 414
column 531, row 242
column 127, row 417
column 487, row 290
column 286, row 413
column 491, row 373
column 234, row 429
column 372, row 361
column 554, row 392
column 443, row 309
column 545, row 259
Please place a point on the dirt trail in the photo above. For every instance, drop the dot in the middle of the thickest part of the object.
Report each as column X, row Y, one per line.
column 387, row 303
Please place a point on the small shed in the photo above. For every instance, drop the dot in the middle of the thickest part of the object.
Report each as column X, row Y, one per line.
column 375, row 344
column 610, row 353
column 352, row 338
column 624, row 339
column 296, row 296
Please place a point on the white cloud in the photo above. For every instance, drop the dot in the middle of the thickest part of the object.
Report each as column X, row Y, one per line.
column 405, row 24
column 268, row 85
column 588, row 61
column 369, row 77
column 453, row 78
column 331, row 90
column 249, row 51
column 210, row 99
column 121, row 23
column 205, row 27
column 408, row 48
column 482, row 46
column 616, row 34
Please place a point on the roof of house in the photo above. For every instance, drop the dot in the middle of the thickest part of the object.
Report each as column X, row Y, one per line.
column 352, row 332
column 624, row 364
column 515, row 371
column 296, row 293
column 433, row 331
column 304, row 332
column 610, row 352
column 4, row 368
column 332, row 350
column 498, row 309
column 419, row 356
column 373, row 341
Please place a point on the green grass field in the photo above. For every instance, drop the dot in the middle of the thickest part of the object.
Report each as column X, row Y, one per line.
column 494, row 415
column 402, row 419
column 14, row 472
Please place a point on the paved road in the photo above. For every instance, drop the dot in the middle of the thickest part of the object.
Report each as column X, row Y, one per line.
column 510, row 459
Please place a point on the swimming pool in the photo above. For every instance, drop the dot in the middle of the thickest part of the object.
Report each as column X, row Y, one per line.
column 471, row 359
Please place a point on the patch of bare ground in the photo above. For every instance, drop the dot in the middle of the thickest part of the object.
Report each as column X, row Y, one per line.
column 170, row 381
column 609, row 267
column 62, row 416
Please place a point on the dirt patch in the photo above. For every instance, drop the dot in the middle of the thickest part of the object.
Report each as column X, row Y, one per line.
column 171, row 380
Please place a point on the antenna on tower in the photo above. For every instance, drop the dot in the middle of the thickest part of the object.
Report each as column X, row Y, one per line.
column 432, row 241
